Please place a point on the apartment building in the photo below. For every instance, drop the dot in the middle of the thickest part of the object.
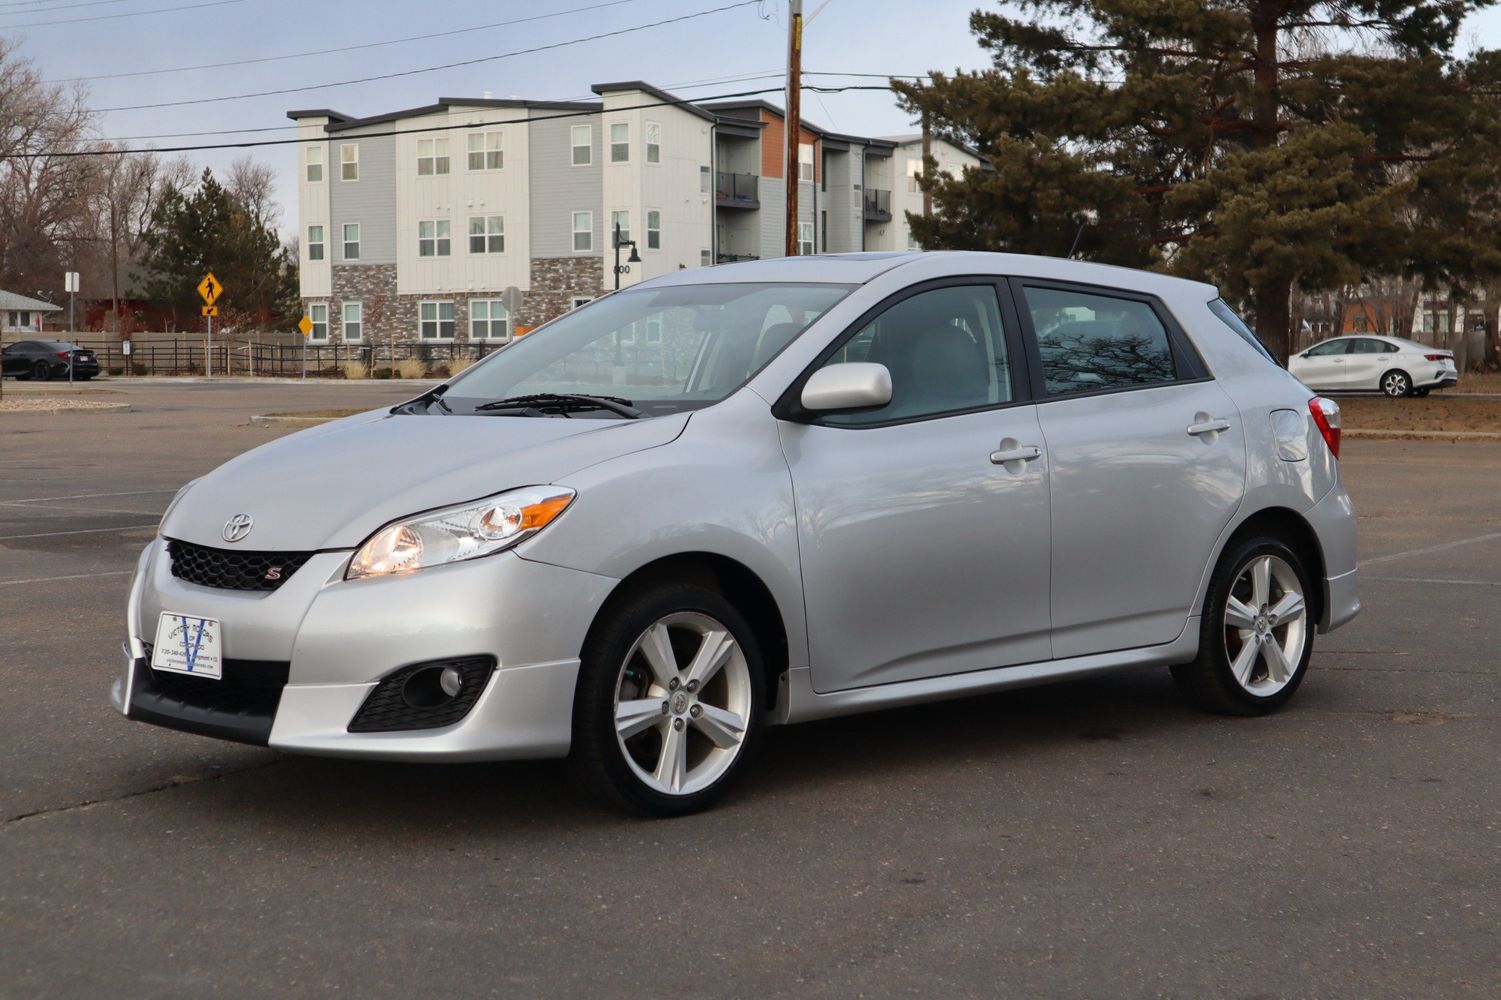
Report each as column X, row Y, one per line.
column 479, row 219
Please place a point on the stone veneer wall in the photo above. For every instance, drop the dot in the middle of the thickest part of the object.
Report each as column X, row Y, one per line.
column 556, row 281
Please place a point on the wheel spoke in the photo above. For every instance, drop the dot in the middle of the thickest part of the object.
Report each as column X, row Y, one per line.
column 1289, row 609
column 672, row 766
column 632, row 717
column 1276, row 663
column 1244, row 661
column 656, row 646
column 1261, row 582
column 712, row 653
column 1239, row 615
column 724, row 728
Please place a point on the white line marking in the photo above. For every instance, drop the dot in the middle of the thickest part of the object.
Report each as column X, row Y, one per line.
column 1419, row 579
column 75, row 576
column 91, row 496
column 84, row 531
column 1429, row 550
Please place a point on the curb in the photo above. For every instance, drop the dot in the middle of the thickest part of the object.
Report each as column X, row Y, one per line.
column 53, row 410
column 261, row 420
column 1456, row 436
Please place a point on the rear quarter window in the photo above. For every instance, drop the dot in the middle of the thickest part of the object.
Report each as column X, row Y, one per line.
column 1227, row 316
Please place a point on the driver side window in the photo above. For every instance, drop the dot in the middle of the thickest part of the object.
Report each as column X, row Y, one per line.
column 945, row 350
column 1333, row 347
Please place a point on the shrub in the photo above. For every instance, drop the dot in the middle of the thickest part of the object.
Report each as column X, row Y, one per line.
column 410, row 368
column 117, row 371
column 380, row 373
column 458, row 364
column 356, row 370
column 136, row 368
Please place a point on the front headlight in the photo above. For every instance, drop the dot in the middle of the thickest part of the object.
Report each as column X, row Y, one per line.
column 458, row 533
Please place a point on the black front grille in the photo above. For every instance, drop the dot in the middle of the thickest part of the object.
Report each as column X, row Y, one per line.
column 240, row 706
column 387, row 708
column 233, row 570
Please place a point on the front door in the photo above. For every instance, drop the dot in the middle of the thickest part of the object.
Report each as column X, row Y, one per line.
column 1148, row 463
column 923, row 526
column 1323, row 365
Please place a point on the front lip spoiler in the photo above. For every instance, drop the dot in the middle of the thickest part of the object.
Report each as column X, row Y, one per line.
column 152, row 702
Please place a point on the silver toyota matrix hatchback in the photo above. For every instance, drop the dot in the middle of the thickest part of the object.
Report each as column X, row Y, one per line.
column 757, row 494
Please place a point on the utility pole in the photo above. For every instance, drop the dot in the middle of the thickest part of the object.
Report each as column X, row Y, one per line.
column 70, row 280
column 794, row 116
column 927, row 151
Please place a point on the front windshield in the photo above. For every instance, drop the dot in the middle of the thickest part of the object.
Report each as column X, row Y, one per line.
column 664, row 350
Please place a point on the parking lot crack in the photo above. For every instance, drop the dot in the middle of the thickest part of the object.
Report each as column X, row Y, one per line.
column 177, row 781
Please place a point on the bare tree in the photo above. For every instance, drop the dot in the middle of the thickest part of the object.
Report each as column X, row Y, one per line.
column 252, row 186
column 129, row 188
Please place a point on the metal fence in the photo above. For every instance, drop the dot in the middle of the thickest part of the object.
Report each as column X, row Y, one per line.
column 277, row 359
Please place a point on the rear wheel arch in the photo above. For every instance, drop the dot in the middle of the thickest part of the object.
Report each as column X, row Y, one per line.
column 729, row 578
column 1293, row 530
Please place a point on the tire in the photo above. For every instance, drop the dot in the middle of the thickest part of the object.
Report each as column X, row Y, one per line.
column 41, row 372
column 1420, row 393
column 667, row 739
column 1237, row 673
column 1396, row 383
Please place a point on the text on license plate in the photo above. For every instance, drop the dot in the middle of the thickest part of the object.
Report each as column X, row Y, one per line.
column 186, row 644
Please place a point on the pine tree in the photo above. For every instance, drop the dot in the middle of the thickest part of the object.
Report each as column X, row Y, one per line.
column 1259, row 144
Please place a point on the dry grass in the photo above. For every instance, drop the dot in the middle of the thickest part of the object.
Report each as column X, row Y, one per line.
column 457, row 365
column 410, row 368
column 1478, row 382
column 356, row 370
column 1438, row 412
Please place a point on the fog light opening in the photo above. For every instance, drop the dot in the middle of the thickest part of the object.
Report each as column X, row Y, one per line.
column 432, row 687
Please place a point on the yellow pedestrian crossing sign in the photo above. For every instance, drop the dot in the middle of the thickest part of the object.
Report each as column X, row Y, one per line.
column 305, row 325
column 210, row 289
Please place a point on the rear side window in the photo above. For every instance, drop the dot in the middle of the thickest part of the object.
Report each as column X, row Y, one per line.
column 1368, row 346
column 1090, row 342
column 1234, row 322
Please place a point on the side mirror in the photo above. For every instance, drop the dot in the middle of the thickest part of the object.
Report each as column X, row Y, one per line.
column 854, row 385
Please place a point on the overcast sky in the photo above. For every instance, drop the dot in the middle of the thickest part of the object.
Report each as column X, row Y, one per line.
column 689, row 57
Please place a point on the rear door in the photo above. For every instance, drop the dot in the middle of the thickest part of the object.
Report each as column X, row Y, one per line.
column 1368, row 360
column 1147, row 463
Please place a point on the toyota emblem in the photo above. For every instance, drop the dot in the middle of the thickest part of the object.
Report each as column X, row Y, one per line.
column 238, row 527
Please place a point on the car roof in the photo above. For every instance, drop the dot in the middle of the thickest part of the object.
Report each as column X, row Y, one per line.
column 859, row 268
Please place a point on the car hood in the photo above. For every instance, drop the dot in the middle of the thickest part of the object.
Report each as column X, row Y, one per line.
column 330, row 487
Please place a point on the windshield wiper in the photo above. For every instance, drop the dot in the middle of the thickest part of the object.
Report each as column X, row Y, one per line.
column 543, row 403
column 433, row 395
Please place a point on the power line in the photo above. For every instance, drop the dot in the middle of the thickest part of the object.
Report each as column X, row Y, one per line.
column 113, row 17
column 431, row 69
column 583, row 113
column 335, row 51
column 50, row 8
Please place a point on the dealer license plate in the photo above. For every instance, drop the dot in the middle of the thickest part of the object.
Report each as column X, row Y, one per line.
column 186, row 644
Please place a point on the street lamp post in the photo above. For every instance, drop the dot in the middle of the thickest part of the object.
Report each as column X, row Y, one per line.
column 634, row 258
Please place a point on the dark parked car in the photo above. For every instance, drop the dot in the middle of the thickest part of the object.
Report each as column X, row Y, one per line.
column 44, row 359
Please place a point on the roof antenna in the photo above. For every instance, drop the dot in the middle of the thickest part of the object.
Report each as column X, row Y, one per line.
column 1077, row 236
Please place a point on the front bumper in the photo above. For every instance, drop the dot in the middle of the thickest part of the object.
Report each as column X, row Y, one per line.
column 337, row 639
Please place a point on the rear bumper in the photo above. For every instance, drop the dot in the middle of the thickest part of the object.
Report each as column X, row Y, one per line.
column 1333, row 521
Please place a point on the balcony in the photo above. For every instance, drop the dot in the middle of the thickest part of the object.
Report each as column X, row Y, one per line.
column 736, row 190
column 733, row 258
column 877, row 205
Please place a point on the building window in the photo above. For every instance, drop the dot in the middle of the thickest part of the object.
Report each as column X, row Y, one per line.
column 583, row 145
column 436, row 320
column 349, row 161
column 620, row 142
column 489, row 319
column 653, row 142
column 703, row 180
column 432, row 157
column 433, row 238
column 314, row 164
column 654, row 329
column 704, row 258
column 487, row 234
column 485, row 152
column 314, row 242
column 653, row 230
column 580, row 300
column 804, row 239
column 914, row 172
column 912, row 243
column 805, row 161
column 351, row 241
column 620, row 227
column 318, row 313
column 583, row 231
column 354, row 321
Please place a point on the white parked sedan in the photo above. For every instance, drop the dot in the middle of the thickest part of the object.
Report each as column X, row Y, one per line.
column 1374, row 364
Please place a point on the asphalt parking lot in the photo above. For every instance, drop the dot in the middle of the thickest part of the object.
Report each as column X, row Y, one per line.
column 1093, row 839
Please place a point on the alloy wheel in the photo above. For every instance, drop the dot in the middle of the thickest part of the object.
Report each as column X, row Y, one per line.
column 1265, row 625
column 1395, row 384
column 682, row 703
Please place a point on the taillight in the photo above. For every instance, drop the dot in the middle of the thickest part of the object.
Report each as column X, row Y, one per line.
column 62, row 354
column 1436, row 357
column 1326, row 417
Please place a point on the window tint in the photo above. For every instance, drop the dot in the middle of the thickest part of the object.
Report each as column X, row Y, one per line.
column 1091, row 342
column 1232, row 319
column 945, row 351
column 1365, row 345
column 1329, row 348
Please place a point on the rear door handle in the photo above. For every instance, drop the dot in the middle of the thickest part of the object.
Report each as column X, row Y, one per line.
column 1208, row 427
column 1023, row 454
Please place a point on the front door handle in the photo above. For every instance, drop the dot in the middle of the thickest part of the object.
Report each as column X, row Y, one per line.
column 1024, row 453
column 1208, row 426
